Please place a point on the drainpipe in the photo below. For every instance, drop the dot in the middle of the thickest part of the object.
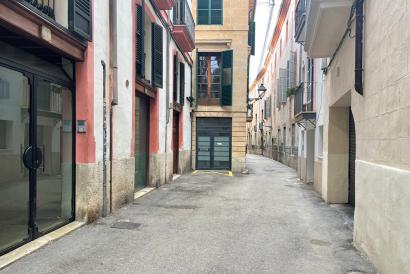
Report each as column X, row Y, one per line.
column 104, row 204
column 358, row 81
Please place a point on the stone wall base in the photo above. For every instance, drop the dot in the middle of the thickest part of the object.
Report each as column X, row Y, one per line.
column 381, row 221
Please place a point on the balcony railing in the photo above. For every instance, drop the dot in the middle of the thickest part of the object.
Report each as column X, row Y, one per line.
column 300, row 20
column 304, row 98
column 44, row 6
column 184, row 24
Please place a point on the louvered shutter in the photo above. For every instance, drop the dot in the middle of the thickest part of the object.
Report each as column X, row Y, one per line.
column 227, row 62
column 292, row 69
column 197, row 72
column 80, row 18
column 283, row 84
column 139, row 42
column 251, row 37
column 278, row 93
column 182, row 84
column 175, row 79
column 157, row 54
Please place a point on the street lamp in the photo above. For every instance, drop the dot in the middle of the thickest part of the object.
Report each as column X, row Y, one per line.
column 261, row 91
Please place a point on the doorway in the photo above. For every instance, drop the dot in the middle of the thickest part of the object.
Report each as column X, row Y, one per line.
column 352, row 158
column 36, row 154
column 175, row 141
column 214, row 143
column 141, row 141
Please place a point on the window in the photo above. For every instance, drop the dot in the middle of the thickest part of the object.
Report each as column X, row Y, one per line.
column 181, row 83
column 139, row 43
column 209, row 12
column 157, row 53
column 209, row 75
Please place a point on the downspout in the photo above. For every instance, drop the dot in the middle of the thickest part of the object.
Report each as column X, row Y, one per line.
column 114, row 80
column 104, row 202
column 358, row 81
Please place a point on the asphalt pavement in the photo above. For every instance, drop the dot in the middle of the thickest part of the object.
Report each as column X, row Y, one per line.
column 263, row 222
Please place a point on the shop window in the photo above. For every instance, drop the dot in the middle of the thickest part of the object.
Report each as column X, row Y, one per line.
column 5, row 132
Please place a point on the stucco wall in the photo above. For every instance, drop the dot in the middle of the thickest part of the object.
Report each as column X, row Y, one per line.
column 382, row 134
column 232, row 34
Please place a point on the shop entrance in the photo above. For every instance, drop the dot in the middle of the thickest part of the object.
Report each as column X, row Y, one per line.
column 36, row 153
column 175, row 141
column 141, row 141
column 214, row 143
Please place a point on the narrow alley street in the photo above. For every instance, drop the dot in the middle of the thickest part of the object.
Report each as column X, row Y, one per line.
column 264, row 222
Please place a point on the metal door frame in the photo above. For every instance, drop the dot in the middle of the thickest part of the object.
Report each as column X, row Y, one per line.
column 34, row 76
column 211, row 147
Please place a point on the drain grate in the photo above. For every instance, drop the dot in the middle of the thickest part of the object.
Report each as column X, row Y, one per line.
column 126, row 225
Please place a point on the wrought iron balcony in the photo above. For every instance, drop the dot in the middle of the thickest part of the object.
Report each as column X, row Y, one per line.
column 305, row 115
column 164, row 4
column 300, row 21
column 183, row 26
column 44, row 6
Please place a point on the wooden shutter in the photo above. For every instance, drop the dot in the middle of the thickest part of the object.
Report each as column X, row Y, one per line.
column 197, row 72
column 157, row 54
column 283, row 84
column 227, row 63
column 292, row 70
column 251, row 37
column 181, row 83
column 139, row 41
column 175, row 79
column 80, row 18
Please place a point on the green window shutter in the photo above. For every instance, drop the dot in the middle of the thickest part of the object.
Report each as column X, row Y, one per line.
column 157, row 54
column 80, row 18
column 182, row 84
column 251, row 37
column 283, row 79
column 227, row 64
column 175, row 79
column 197, row 72
column 139, row 42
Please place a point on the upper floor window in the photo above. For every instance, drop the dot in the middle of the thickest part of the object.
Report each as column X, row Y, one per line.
column 75, row 15
column 209, row 76
column 148, row 49
column 209, row 12
column 214, row 78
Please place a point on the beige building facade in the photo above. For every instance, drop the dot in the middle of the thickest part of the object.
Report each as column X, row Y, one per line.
column 220, row 67
column 366, row 134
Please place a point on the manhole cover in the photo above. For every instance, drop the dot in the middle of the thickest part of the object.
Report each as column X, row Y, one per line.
column 125, row 225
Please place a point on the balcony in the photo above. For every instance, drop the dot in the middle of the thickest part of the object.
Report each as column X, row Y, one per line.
column 305, row 115
column 300, row 21
column 183, row 26
column 326, row 22
column 164, row 4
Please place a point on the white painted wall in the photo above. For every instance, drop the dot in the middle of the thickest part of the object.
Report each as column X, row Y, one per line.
column 123, row 112
column 101, row 30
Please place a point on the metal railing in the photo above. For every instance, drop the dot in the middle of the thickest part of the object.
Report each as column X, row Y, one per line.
column 304, row 98
column 44, row 6
column 182, row 15
column 300, row 18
